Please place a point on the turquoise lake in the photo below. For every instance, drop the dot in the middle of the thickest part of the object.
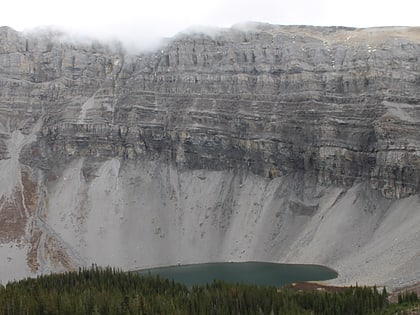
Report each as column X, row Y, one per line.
column 257, row 273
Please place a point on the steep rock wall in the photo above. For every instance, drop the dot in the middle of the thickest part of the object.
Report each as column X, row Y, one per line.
column 296, row 144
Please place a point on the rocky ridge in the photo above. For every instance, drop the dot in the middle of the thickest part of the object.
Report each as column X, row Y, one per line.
column 256, row 142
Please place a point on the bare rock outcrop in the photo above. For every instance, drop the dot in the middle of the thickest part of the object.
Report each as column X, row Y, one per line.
column 309, row 115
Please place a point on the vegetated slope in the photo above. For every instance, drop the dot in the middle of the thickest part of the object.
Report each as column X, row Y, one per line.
column 290, row 144
column 98, row 291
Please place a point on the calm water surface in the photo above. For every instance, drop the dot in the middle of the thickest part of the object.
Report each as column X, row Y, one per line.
column 258, row 273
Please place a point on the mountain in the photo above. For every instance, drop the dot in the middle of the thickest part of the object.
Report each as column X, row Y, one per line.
column 259, row 142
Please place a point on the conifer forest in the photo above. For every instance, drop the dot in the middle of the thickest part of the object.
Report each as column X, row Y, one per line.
column 110, row 291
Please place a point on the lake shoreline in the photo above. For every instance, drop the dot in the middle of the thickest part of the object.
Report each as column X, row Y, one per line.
column 249, row 272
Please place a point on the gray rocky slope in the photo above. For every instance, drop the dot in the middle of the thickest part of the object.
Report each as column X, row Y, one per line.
column 287, row 144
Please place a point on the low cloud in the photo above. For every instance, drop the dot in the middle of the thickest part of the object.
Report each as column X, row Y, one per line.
column 141, row 25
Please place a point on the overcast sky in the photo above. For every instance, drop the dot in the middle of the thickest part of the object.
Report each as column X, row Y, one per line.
column 141, row 21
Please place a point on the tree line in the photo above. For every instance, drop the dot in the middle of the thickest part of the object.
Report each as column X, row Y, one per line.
column 110, row 291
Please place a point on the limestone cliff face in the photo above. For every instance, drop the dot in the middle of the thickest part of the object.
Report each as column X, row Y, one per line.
column 239, row 144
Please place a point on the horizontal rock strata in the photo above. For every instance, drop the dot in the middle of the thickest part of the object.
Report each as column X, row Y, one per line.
column 338, row 108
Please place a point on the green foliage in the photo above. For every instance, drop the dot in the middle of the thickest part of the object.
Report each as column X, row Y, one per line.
column 408, row 298
column 110, row 291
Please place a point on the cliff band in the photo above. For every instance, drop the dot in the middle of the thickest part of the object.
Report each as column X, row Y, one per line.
column 259, row 142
